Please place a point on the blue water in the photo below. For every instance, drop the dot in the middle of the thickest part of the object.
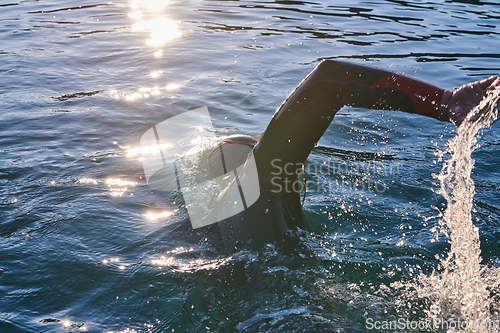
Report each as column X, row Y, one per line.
column 80, row 82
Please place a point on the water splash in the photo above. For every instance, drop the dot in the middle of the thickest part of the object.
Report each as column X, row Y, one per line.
column 460, row 292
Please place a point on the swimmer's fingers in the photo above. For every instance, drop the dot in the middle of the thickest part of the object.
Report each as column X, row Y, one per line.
column 486, row 87
column 490, row 82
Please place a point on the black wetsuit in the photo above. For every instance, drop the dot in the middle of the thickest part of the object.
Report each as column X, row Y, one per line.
column 297, row 126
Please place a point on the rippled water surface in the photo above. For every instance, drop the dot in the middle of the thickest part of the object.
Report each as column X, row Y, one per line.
column 85, row 245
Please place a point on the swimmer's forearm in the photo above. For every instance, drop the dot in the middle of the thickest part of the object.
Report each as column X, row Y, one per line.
column 428, row 100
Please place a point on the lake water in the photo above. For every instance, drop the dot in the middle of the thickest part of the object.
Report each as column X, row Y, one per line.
column 85, row 245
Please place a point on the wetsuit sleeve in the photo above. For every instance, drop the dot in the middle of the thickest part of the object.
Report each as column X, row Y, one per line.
column 305, row 115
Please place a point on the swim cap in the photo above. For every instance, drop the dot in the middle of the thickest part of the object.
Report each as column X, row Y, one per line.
column 230, row 153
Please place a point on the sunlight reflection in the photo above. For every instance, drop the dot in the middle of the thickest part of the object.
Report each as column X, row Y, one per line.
column 127, row 330
column 105, row 261
column 154, row 149
column 87, row 181
column 161, row 29
column 189, row 264
column 160, row 215
column 180, row 249
column 114, row 93
column 119, row 187
column 136, row 14
column 69, row 325
column 197, row 140
column 173, row 86
column 145, row 92
column 153, row 5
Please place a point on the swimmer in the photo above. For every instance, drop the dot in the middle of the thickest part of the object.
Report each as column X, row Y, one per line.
column 300, row 122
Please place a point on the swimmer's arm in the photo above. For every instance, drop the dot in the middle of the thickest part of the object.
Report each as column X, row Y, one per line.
column 426, row 99
column 306, row 114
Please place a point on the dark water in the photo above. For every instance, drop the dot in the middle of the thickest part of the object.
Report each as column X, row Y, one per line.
column 80, row 83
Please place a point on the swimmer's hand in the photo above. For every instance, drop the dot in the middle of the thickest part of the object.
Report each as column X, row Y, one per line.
column 457, row 104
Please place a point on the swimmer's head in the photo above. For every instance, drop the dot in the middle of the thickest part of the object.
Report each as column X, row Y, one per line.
column 230, row 153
